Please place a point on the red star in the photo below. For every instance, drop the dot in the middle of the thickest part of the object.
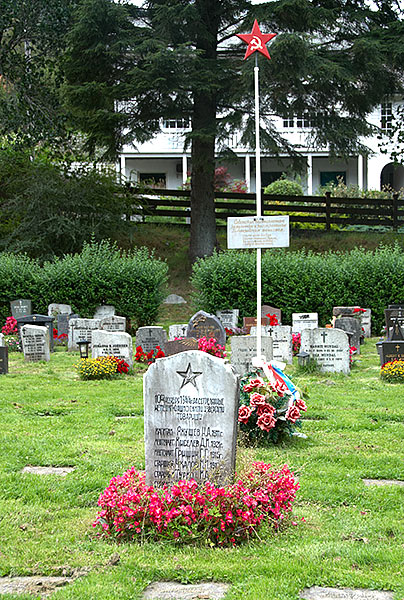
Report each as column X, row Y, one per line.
column 256, row 40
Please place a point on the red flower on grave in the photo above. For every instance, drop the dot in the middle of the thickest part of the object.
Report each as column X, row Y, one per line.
column 273, row 320
column 292, row 414
column 244, row 413
column 266, row 422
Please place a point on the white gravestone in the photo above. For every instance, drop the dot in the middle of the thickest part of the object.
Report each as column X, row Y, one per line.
column 113, row 323
column 282, row 342
column 366, row 322
column 59, row 309
column 264, row 330
column 328, row 347
column 151, row 337
column 244, row 348
column 80, row 329
column 228, row 318
column 106, row 310
column 2, row 343
column 301, row 321
column 177, row 331
column 35, row 342
column 112, row 343
column 190, row 408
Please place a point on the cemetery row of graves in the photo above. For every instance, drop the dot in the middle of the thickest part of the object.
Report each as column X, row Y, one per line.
column 329, row 488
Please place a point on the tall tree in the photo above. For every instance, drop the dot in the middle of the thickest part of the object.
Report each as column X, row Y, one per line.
column 333, row 59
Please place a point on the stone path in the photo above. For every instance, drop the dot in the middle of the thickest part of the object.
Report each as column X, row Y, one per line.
column 327, row 593
column 61, row 471
column 171, row 590
column 380, row 482
column 42, row 586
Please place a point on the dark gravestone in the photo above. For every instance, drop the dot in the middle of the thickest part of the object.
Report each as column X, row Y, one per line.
column 3, row 360
column 389, row 351
column 271, row 310
column 400, row 306
column 392, row 315
column 42, row 320
column 249, row 322
column 351, row 326
column 176, row 346
column 203, row 324
column 20, row 308
column 395, row 332
column 63, row 324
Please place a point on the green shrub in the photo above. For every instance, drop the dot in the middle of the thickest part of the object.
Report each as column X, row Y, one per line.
column 18, row 279
column 302, row 281
column 284, row 187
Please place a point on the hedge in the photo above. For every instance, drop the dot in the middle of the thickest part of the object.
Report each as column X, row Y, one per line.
column 134, row 282
column 302, row 281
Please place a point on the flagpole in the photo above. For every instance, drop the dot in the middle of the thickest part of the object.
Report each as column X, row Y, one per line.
column 258, row 200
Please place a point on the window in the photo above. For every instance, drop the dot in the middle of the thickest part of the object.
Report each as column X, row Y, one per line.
column 288, row 121
column 268, row 177
column 176, row 124
column 386, row 116
column 305, row 121
column 155, row 180
column 332, row 177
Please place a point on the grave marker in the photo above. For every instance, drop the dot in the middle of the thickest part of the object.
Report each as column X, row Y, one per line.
column 177, row 331
column 112, row 343
column 151, row 337
column 2, row 343
column 329, row 348
column 282, row 342
column 228, row 318
column 35, row 343
column 182, row 345
column 365, row 317
column 3, row 360
column 244, row 348
column 393, row 314
column 271, row 310
column 56, row 309
column 42, row 320
column 113, row 323
column 79, row 330
column 62, row 324
column 106, row 310
column 351, row 325
column 301, row 321
column 249, row 322
column 190, row 408
column 203, row 324
column 390, row 350
column 20, row 308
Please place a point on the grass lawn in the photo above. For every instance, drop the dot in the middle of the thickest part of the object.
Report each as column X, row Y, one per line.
column 352, row 536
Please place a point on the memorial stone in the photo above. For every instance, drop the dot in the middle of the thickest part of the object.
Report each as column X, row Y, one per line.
column 2, row 343
column 3, row 360
column 174, row 299
column 364, row 316
column 390, row 350
column 301, row 321
column 243, row 350
column 228, row 318
column 80, row 330
column 113, row 323
column 400, row 306
column 20, row 308
column 35, row 342
column 151, row 337
column 351, row 325
column 182, row 345
column 106, row 310
column 264, row 330
column 203, row 324
column 177, row 331
column 190, row 415
column 392, row 315
column 249, row 322
column 42, row 320
column 56, row 309
column 366, row 322
column 112, row 343
column 271, row 310
column 62, row 321
column 396, row 332
column 282, row 342
column 328, row 347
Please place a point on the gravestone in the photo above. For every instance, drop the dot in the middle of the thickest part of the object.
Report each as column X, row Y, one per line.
column 3, row 360
column 177, row 331
column 20, row 308
column 56, row 309
column 390, row 350
column 113, row 323
column 203, row 324
column 264, row 330
column 35, row 343
column 102, row 311
column 249, row 322
column 42, row 320
column 190, row 408
column 228, row 318
column 366, row 322
column 80, row 330
column 301, row 321
column 112, row 343
column 174, row 299
column 364, row 317
column 182, row 345
column 282, row 342
column 395, row 332
column 62, row 321
column 328, row 347
column 271, row 310
column 2, row 343
column 151, row 337
column 393, row 314
column 350, row 324
column 401, row 306
column 243, row 350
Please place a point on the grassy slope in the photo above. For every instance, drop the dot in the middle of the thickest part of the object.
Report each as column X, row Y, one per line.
column 353, row 535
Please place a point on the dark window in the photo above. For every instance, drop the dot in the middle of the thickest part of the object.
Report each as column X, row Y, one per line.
column 268, row 177
column 332, row 177
column 153, row 179
column 386, row 116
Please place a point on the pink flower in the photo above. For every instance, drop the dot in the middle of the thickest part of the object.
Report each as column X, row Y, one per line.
column 257, row 399
column 292, row 414
column 253, row 383
column 244, row 413
column 301, row 405
column 265, row 409
column 266, row 422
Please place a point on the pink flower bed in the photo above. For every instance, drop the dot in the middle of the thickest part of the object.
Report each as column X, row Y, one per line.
column 190, row 512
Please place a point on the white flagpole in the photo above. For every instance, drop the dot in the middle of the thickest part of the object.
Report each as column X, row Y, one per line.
column 258, row 200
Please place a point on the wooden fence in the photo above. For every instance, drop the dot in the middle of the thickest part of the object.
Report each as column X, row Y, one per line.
column 173, row 207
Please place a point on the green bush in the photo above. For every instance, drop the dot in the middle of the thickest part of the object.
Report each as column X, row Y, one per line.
column 302, row 281
column 134, row 282
column 284, row 187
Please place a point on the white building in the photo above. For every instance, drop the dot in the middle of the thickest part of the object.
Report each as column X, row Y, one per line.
column 164, row 159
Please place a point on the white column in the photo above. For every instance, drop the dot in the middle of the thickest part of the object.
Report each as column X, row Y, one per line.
column 360, row 171
column 184, row 168
column 309, row 174
column 247, row 168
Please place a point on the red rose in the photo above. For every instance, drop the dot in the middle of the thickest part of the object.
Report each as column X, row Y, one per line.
column 301, row 405
column 292, row 414
column 265, row 409
column 266, row 422
column 257, row 399
column 244, row 413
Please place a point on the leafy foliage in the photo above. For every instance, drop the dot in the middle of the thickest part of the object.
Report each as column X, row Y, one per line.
column 284, row 186
column 18, row 279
